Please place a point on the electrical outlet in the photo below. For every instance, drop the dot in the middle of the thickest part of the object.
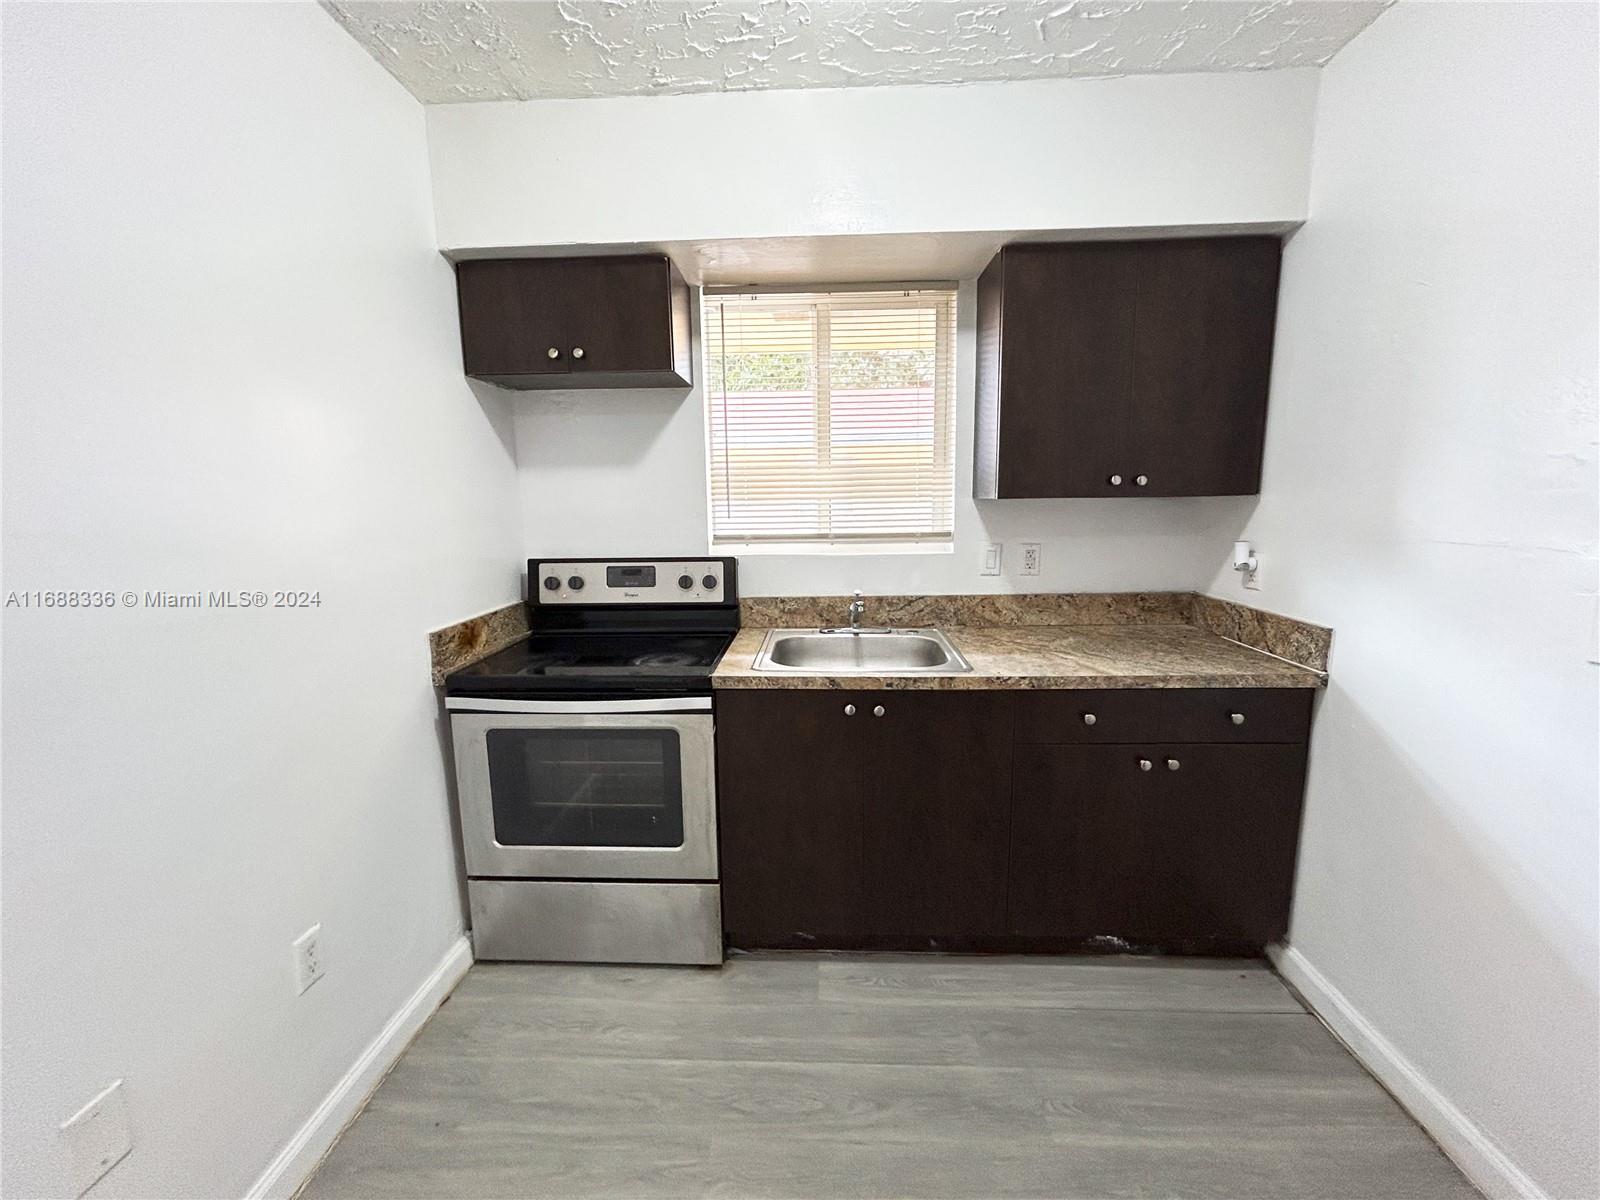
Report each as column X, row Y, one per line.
column 97, row 1137
column 991, row 558
column 1030, row 558
column 1248, row 563
column 308, row 958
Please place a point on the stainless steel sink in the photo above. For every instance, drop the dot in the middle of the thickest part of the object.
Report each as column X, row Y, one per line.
column 860, row 652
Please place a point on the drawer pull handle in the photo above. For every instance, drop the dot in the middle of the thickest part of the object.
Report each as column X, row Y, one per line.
column 1145, row 764
column 1236, row 718
column 877, row 710
column 1089, row 718
column 1173, row 764
column 552, row 353
column 849, row 710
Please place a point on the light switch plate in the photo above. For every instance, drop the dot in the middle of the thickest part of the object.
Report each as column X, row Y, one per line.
column 991, row 558
column 98, row 1137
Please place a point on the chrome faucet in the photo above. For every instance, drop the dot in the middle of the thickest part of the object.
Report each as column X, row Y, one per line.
column 857, row 610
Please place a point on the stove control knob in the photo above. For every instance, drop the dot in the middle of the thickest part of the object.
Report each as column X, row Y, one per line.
column 686, row 582
column 709, row 583
column 551, row 583
column 576, row 583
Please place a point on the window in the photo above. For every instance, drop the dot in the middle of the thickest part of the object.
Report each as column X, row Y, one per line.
column 830, row 418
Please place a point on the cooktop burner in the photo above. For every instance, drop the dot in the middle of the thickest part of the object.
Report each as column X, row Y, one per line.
column 539, row 660
column 666, row 658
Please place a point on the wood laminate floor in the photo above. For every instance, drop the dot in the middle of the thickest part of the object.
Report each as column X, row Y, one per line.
column 793, row 1076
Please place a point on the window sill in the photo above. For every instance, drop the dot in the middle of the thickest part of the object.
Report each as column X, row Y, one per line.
column 829, row 549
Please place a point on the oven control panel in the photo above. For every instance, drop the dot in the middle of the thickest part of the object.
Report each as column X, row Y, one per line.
column 631, row 581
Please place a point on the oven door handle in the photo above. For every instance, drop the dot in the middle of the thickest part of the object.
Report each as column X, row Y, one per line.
column 666, row 705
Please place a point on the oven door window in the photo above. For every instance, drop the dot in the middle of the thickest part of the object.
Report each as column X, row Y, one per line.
column 586, row 787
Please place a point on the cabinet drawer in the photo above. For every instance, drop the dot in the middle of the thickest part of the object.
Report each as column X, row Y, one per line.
column 1164, row 715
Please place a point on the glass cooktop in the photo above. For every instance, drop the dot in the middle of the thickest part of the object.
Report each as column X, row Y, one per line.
column 598, row 662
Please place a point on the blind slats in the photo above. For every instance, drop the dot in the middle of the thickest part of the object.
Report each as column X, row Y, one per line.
column 831, row 416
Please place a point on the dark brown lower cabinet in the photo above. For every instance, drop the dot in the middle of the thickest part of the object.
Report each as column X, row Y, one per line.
column 1196, row 851
column 936, row 821
column 852, row 819
column 917, row 819
column 789, row 819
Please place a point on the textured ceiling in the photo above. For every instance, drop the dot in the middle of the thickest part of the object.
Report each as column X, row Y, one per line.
column 448, row 51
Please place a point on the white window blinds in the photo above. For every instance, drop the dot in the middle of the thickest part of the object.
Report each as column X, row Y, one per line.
column 830, row 416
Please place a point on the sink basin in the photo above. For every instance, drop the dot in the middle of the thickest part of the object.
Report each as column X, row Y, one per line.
column 864, row 652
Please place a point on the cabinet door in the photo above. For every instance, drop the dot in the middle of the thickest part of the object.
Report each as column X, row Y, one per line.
column 1225, row 826
column 937, row 812
column 1081, row 819
column 1200, row 854
column 790, row 787
column 513, row 313
column 1202, row 360
column 1066, row 362
column 621, row 315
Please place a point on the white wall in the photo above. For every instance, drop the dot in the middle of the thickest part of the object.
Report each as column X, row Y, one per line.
column 625, row 473
column 1046, row 154
column 1430, row 493
column 230, row 361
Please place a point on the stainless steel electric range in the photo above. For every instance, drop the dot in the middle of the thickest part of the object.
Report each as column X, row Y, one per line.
column 585, row 768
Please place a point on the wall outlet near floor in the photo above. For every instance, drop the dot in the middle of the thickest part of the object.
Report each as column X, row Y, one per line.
column 97, row 1138
column 308, row 958
column 991, row 558
column 1030, row 558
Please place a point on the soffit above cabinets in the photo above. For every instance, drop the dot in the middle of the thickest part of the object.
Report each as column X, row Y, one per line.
column 449, row 51
column 852, row 258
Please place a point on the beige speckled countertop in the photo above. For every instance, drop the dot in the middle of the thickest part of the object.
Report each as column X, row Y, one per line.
column 1055, row 656
column 1125, row 641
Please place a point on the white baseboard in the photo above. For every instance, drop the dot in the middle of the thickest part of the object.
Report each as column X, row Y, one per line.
column 1468, row 1146
column 299, row 1158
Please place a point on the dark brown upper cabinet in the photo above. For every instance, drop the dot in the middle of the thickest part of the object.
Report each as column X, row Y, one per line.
column 611, row 322
column 1125, row 368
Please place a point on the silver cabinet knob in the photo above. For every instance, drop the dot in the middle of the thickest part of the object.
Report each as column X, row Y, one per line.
column 1089, row 718
column 877, row 710
column 1145, row 764
column 849, row 710
column 1115, row 481
column 577, row 352
column 1173, row 764
column 1141, row 480
column 552, row 353
column 1236, row 718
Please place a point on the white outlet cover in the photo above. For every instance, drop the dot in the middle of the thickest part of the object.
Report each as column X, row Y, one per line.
column 97, row 1138
column 1030, row 558
column 308, row 965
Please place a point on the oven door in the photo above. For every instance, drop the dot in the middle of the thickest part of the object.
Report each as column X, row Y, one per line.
column 587, row 796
